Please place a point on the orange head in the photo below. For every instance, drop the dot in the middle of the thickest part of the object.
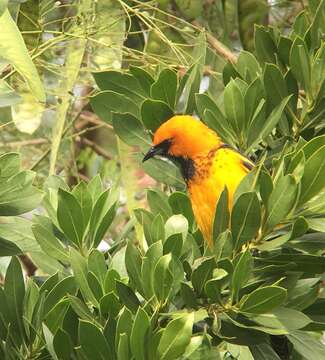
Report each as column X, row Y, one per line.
column 184, row 137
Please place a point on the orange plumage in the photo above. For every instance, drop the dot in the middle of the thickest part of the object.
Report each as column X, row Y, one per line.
column 208, row 165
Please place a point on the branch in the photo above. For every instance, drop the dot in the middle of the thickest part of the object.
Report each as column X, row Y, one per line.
column 98, row 149
column 218, row 46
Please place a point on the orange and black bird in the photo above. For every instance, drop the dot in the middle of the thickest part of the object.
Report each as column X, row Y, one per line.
column 208, row 165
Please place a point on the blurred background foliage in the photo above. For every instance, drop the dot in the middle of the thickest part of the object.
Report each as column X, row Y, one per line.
column 83, row 86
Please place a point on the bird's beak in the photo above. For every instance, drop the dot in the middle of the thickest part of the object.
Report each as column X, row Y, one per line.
column 151, row 153
column 159, row 149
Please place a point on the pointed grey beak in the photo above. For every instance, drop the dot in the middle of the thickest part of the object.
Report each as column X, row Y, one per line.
column 151, row 153
column 159, row 149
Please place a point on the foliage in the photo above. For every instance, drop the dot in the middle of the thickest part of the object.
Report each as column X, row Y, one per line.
column 156, row 291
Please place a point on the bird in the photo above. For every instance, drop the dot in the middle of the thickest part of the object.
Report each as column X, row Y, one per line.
column 208, row 165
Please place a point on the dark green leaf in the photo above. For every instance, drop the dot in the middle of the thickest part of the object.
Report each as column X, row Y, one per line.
column 70, row 217
column 154, row 113
column 130, row 130
column 242, row 273
column 118, row 82
column 234, row 106
column 264, row 45
column 92, row 341
column 300, row 63
column 14, row 289
column 127, row 296
column 165, row 87
column 221, row 217
column 105, row 103
column 138, row 338
column 281, row 202
column 245, row 219
column 80, row 271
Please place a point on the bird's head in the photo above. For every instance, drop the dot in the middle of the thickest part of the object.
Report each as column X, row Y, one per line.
column 183, row 137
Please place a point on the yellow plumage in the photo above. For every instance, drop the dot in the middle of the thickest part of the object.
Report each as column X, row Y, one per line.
column 208, row 165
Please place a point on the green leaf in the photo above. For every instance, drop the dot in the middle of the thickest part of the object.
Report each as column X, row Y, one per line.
column 80, row 271
column 248, row 66
column 48, row 241
column 264, row 45
column 300, row 63
column 213, row 286
column 14, row 289
column 202, row 273
column 133, row 263
column 285, row 319
column 127, row 296
column 284, row 47
column 281, row 202
column 123, row 347
column 234, row 106
column 8, row 96
column 181, row 204
column 105, row 103
column 110, row 305
column 253, row 96
column 153, row 254
column 158, row 229
column 62, row 345
column 130, row 130
column 61, row 289
column 8, row 248
column 176, row 337
column 163, row 278
column 164, row 171
column 165, row 87
column 259, row 129
column 3, row 6
column 13, row 49
column 158, row 202
column 221, row 217
column 124, row 324
column 18, row 195
column 9, row 164
column 275, row 86
column 120, row 83
column 97, row 265
column 92, row 341
column 81, row 309
column 154, row 113
column 84, row 197
column 212, row 116
column 263, row 352
column 263, row 299
column 95, row 285
column 143, row 77
column 306, row 345
column 312, row 181
column 192, row 86
column 245, row 219
column 242, row 273
column 138, row 337
column 70, row 217
column 48, row 336
column 102, row 216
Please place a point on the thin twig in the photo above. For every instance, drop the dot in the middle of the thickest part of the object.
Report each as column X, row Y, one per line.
column 98, row 149
column 15, row 144
column 218, row 46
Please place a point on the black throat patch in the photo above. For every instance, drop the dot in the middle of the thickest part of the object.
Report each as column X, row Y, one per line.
column 186, row 165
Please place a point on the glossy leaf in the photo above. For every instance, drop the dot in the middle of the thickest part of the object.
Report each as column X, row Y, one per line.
column 176, row 337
